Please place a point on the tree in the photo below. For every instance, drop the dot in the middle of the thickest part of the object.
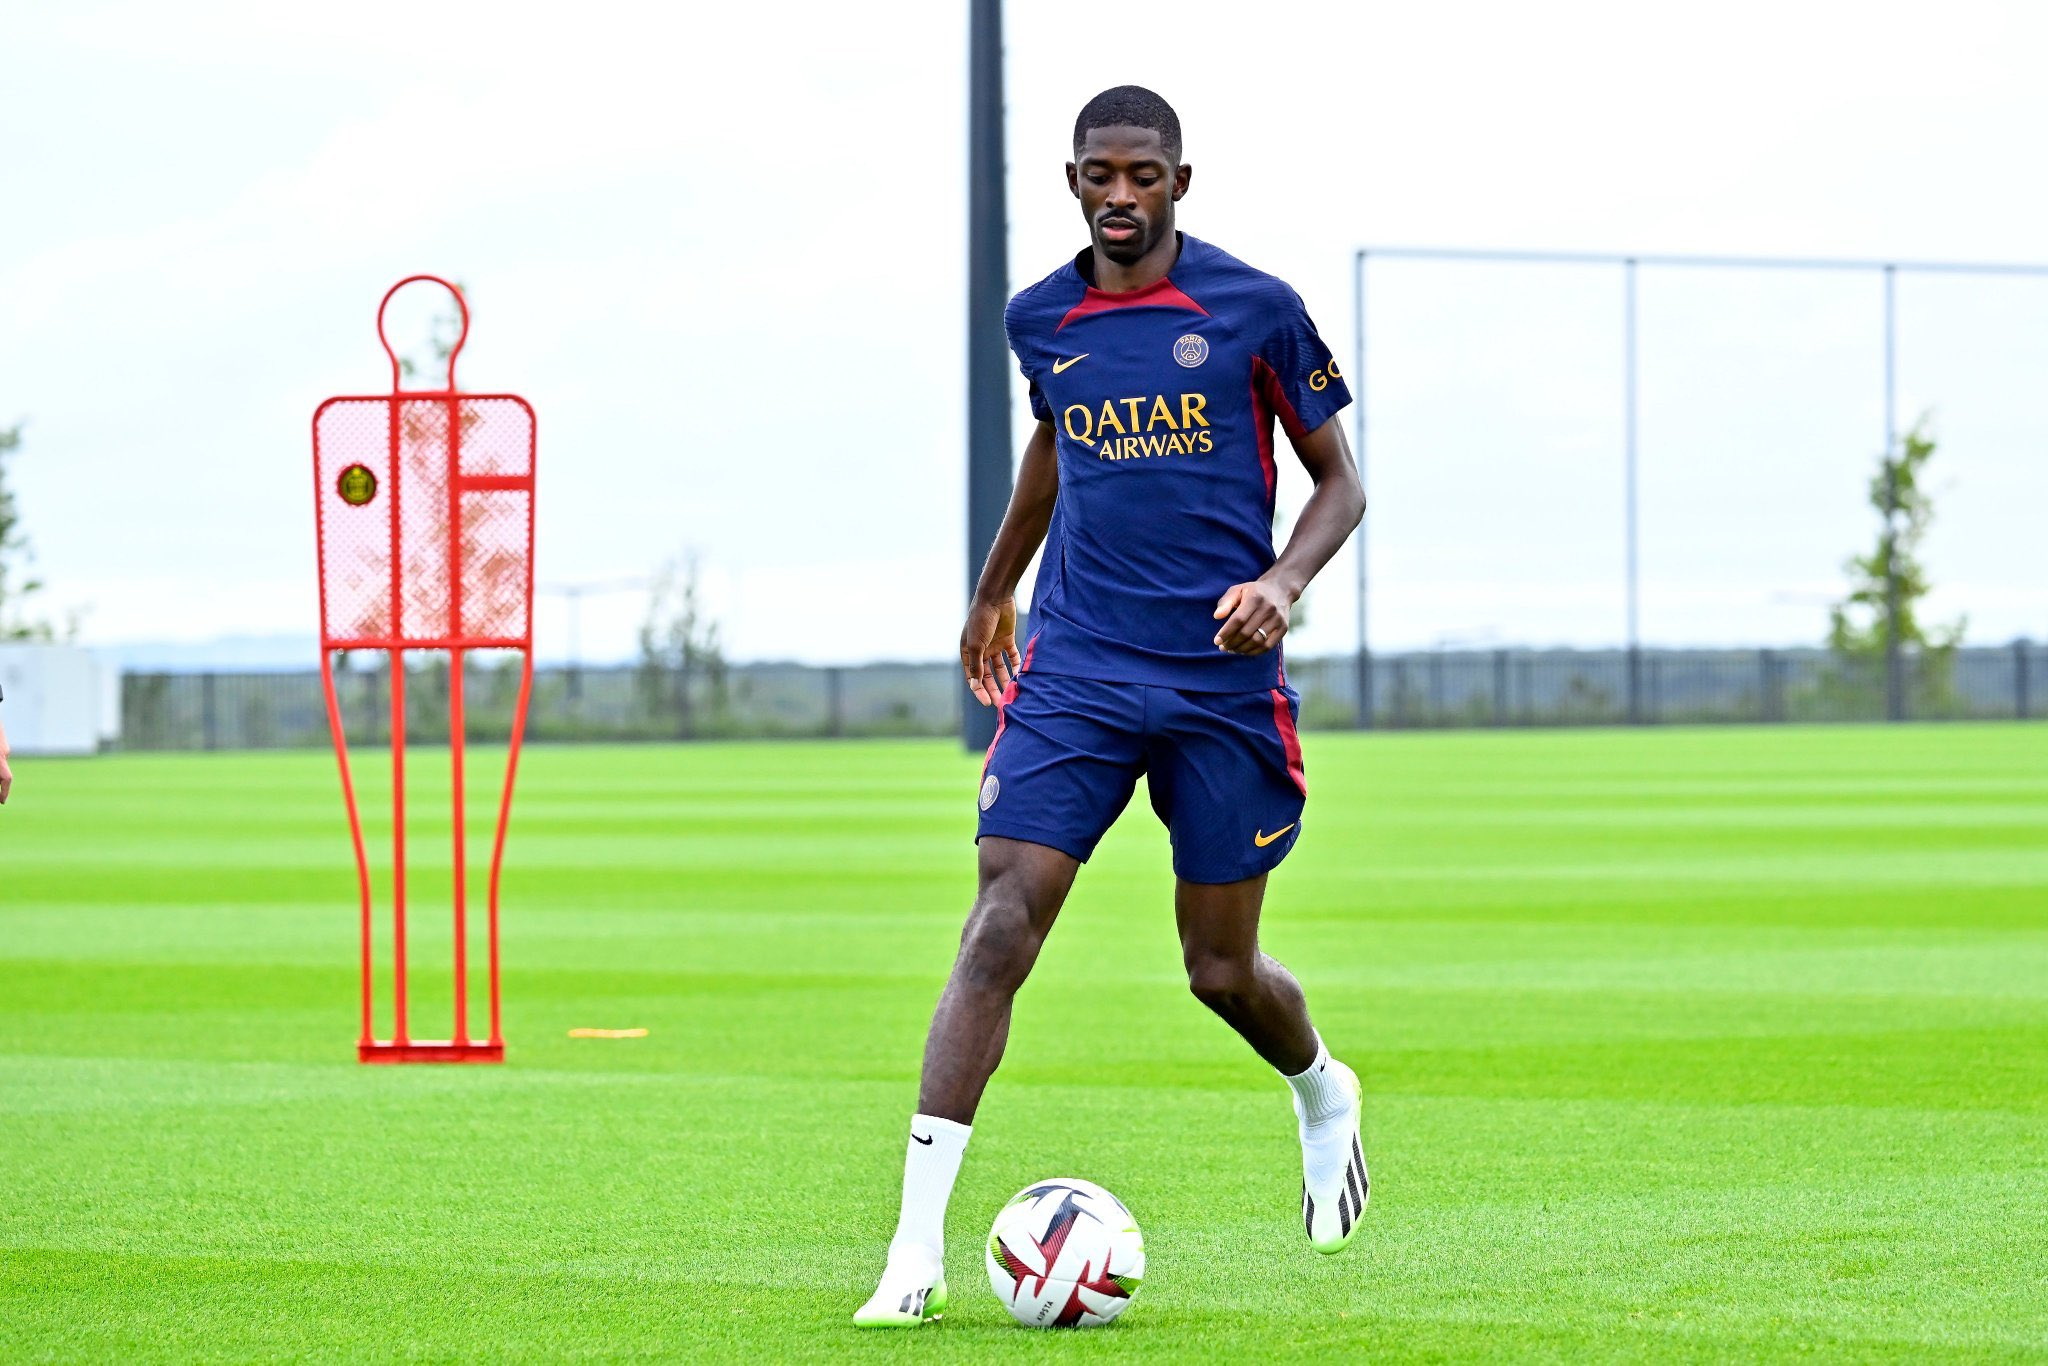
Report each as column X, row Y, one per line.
column 17, row 582
column 1875, row 628
column 679, row 651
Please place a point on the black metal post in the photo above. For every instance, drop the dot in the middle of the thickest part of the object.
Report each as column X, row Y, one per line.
column 988, row 369
column 575, row 596
column 835, row 701
column 2022, row 704
column 369, row 690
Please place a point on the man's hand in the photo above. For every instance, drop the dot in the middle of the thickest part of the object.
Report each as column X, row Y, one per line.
column 1254, row 617
column 6, row 778
column 988, row 649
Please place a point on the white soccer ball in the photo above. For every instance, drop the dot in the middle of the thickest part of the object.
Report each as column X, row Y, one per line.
column 1065, row 1253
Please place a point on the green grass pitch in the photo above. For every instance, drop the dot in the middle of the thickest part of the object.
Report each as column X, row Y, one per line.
column 1679, row 1045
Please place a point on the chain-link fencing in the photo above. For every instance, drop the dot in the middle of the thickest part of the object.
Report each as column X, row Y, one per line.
column 1449, row 688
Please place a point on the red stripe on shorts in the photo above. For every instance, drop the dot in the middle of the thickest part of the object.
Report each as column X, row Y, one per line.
column 1283, row 721
column 1003, row 703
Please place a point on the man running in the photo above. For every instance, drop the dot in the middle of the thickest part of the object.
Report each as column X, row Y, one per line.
column 1157, row 366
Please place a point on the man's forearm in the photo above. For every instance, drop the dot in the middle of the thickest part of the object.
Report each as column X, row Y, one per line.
column 1331, row 514
column 1025, row 521
column 1023, row 532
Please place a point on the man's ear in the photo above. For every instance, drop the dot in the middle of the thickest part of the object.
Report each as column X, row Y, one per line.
column 1073, row 180
column 1181, row 176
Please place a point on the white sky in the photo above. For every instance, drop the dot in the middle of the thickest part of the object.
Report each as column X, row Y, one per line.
column 722, row 250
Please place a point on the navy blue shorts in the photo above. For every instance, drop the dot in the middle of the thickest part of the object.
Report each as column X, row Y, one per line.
column 1224, row 770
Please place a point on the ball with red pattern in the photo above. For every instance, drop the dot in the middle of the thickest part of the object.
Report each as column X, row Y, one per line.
column 1065, row 1253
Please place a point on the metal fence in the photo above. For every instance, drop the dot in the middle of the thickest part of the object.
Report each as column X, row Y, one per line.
column 1440, row 689
column 1668, row 687
column 274, row 710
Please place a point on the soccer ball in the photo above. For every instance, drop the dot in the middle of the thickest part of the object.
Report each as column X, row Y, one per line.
column 1065, row 1253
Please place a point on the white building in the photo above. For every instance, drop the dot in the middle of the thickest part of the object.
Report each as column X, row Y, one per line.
column 59, row 699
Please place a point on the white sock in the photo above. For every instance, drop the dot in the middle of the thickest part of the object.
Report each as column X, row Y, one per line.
column 929, row 1168
column 1319, row 1091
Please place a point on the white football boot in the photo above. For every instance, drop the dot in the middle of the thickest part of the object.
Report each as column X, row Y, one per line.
column 1334, row 1184
column 912, row 1292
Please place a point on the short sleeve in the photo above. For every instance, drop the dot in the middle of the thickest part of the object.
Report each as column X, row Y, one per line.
column 1040, row 409
column 1014, row 320
column 1301, row 380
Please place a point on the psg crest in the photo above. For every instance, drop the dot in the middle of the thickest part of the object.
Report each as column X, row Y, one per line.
column 1191, row 350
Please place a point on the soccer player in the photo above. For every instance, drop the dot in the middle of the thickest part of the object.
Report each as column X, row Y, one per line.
column 1157, row 367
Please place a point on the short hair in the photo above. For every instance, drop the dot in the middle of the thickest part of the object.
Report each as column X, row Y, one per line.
column 1130, row 106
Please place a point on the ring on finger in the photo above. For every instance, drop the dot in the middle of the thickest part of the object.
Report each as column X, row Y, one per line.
column 1259, row 631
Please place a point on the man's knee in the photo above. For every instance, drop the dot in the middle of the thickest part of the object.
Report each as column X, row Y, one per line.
column 1221, row 981
column 999, row 943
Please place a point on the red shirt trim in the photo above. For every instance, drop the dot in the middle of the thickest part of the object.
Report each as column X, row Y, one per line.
column 1268, row 384
column 1266, row 398
column 1161, row 293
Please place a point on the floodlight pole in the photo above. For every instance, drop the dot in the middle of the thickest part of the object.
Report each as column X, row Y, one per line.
column 988, row 369
column 1629, row 499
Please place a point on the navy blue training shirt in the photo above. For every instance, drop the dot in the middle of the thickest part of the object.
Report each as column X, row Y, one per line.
column 1163, row 400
